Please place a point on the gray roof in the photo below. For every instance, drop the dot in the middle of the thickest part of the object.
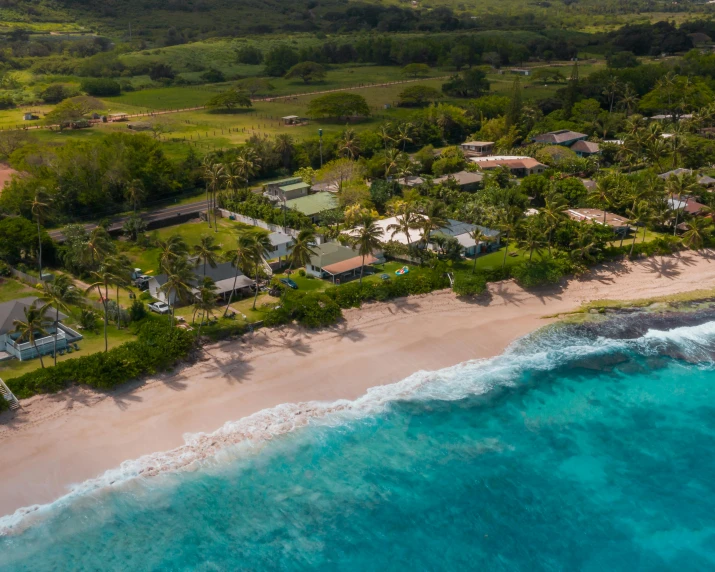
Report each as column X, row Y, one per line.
column 223, row 271
column 278, row 238
column 15, row 310
column 462, row 178
column 676, row 172
column 457, row 228
column 562, row 136
column 586, row 147
column 330, row 253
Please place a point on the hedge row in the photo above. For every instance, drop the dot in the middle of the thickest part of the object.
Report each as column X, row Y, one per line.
column 156, row 348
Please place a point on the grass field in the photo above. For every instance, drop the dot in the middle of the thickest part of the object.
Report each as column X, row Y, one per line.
column 11, row 289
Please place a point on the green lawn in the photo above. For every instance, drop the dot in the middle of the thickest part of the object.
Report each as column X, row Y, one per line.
column 11, row 289
column 92, row 342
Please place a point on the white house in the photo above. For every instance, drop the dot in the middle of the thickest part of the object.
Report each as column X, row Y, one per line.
column 224, row 275
column 11, row 346
column 281, row 245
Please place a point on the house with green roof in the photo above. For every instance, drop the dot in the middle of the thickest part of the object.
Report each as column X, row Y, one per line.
column 314, row 205
column 286, row 189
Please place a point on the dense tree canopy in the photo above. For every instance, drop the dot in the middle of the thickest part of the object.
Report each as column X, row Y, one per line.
column 338, row 105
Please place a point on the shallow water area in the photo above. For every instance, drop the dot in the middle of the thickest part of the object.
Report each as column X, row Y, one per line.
column 580, row 448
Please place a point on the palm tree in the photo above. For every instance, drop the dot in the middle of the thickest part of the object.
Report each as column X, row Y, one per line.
column 207, row 251
column 639, row 215
column 98, row 245
column 302, row 249
column 40, row 207
column 434, row 218
column 404, row 131
column 367, row 239
column 214, row 174
column 135, row 193
column 384, row 133
column 407, row 221
column 60, row 293
column 205, row 302
column 699, row 228
column 629, row 99
column 248, row 163
column 508, row 221
column 241, row 258
column 121, row 267
column 104, row 277
column 612, row 89
column 178, row 284
column 349, row 143
column 284, row 147
column 584, row 243
column 553, row 212
column 171, row 249
column 259, row 247
column 534, row 235
column 603, row 196
column 35, row 323
column 477, row 235
column 392, row 158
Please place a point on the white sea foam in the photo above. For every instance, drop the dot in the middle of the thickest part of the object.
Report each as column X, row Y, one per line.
column 536, row 353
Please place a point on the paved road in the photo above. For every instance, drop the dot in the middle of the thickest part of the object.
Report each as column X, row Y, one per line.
column 148, row 217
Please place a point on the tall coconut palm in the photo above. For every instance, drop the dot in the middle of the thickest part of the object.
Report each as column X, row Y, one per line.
column 392, row 159
column 121, row 267
column 699, row 228
column 35, row 323
column 477, row 235
column 248, row 163
column 409, row 220
column 302, row 249
column 135, row 193
column 629, row 99
column 535, row 235
column 103, row 278
column 242, row 258
column 584, row 244
column 205, row 302
column 207, row 251
column 553, row 212
column 40, row 207
column 611, row 90
column 284, row 147
column 171, row 249
column 508, row 221
column 213, row 174
column 639, row 215
column 98, row 245
column 434, row 218
column 259, row 247
column 604, row 195
column 349, row 144
column 60, row 293
column 404, row 133
column 367, row 239
column 178, row 284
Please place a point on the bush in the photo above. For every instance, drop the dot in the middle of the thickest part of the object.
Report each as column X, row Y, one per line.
column 540, row 272
column 5, row 269
column 156, row 348
column 468, row 284
column 137, row 311
column 100, row 87
column 301, row 273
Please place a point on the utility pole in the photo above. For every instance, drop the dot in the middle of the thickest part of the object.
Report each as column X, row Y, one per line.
column 320, row 135
column 130, row 32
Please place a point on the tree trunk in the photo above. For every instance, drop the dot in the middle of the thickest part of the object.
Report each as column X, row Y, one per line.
column 255, row 298
column 506, row 249
column 531, row 253
column 230, row 298
column 57, row 320
column 104, row 305
column 644, row 231
column 362, row 268
column 39, row 244
column 119, row 313
column 474, row 268
column 208, row 207
column 635, row 236
column 39, row 354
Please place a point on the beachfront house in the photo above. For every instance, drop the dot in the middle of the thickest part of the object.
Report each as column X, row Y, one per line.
column 454, row 228
column 10, row 344
column 281, row 245
column 339, row 263
column 224, row 275
column 313, row 205
column 619, row 224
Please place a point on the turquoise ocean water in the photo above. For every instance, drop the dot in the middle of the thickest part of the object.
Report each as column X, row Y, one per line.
column 582, row 448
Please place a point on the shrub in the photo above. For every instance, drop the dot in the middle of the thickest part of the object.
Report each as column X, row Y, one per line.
column 468, row 284
column 540, row 272
column 4, row 269
column 156, row 348
column 301, row 273
column 146, row 296
column 137, row 311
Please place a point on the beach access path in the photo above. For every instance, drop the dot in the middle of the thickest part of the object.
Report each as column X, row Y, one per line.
column 78, row 434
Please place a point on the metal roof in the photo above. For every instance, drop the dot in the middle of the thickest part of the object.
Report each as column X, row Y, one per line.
column 15, row 310
column 313, row 204
column 294, row 187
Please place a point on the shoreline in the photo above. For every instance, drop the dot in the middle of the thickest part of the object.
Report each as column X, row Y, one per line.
column 78, row 434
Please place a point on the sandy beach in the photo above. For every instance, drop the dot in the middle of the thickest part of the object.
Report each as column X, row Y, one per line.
column 70, row 437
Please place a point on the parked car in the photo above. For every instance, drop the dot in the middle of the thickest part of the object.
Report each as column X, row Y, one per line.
column 159, row 307
column 288, row 282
